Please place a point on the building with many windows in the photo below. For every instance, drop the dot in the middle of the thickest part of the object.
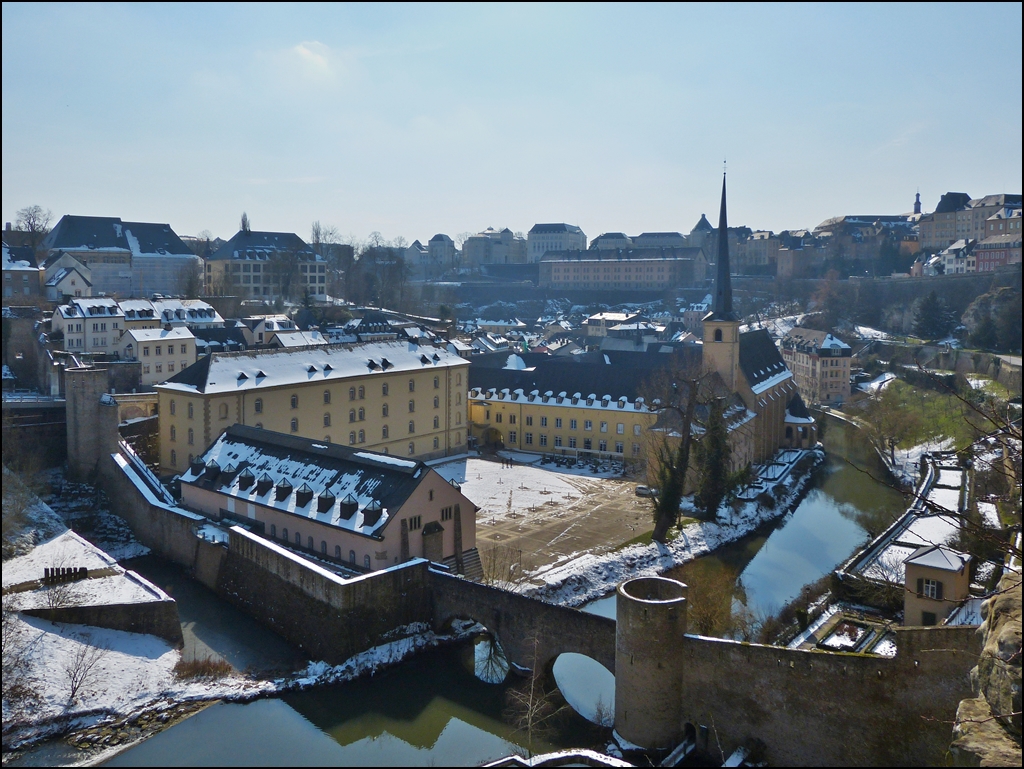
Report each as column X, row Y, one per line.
column 89, row 325
column 635, row 269
column 820, row 364
column 393, row 397
column 162, row 352
column 553, row 237
column 359, row 508
column 268, row 266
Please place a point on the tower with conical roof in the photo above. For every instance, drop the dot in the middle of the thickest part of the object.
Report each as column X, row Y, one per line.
column 722, row 324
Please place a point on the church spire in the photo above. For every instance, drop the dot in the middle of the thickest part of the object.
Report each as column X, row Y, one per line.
column 722, row 307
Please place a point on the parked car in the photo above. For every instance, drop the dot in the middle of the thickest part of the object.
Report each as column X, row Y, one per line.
column 646, row 491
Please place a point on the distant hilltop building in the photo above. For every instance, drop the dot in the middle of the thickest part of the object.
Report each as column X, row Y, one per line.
column 635, row 269
column 820, row 364
column 119, row 258
column 958, row 217
column 493, row 247
column 267, row 266
column 554, row 237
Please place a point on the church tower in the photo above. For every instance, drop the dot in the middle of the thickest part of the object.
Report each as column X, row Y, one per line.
column 722, row 325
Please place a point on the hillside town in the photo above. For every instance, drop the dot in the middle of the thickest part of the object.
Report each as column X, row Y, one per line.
column 673, row 491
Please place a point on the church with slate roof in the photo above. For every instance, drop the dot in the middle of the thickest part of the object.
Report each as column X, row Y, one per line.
column 751, row 366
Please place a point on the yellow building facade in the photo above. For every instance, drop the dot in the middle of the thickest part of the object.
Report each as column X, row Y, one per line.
column 392, row 397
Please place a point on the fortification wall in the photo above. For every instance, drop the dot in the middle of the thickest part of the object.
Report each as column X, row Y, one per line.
column 812, row 708
column 159, row 618
column 330, row 617
column 517, row 621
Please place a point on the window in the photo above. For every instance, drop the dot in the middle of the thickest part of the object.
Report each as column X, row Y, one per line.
column 352, row 557
column 362, row 392
column 604, row 427
column 412, row 426
column 258, row 406
column 928, row 618
column 362, row 436
column 618, row 447
column 159, row 348
column 511, row 419
column 412, row 385
column 572, row 442
column 558, row 423
column 351, row 415
column 295, row 425
column 145, row 351
column 558, row 440
column 298, row 539
column 351, row 393
column 458, row 379
column 362, row 415
column 458, row 417
column 437, row 443
column 284, row 534
column 446, row 513
column 543, row 440
column 572, row 424
column 327, row 396
column 295, row 401
column 191, row 437
column 352, row 438
column 529, row 421
column 174, row 433
column 620, row 428
column 528, row 438
column 173, row 409
column 458, row 399
column 174, row 458
column 588, row 425
column 412, row 448
column 159, row 367
column 437, row 422
column 412, row 406
column 327, row 420
column 718, row 335
column 223, row 411
column 437, row 383
column 384, row 432
column 190, row 411
column 184, row 350
column 543, row 421
column 170, row 367
column 415, row 522
column 636, row 449
column 497, row 417
column 602, row 446
column 273, row 531
column 930, row 588
column 366, row 561
column 587, row 444
column 636, row 429
column 437, row 402
column 384, row 388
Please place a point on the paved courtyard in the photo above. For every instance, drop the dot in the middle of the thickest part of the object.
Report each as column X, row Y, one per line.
column 549, row 513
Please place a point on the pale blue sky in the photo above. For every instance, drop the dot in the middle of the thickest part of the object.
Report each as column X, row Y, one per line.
column 412, row 120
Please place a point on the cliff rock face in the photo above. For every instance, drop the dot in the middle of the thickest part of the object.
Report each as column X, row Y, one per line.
column 990, row 305
column 988, row 728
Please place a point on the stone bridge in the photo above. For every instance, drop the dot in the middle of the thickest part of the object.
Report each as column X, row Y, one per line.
column 517, row 621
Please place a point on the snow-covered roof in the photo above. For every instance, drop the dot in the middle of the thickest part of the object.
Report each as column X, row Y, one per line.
column 294, row 338
column 9, row 263
column 575, row 400
column 262, row 369
column 159, row 334
column 308, row 478
column 939, row 557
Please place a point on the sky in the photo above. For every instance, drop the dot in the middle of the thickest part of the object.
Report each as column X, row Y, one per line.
column 414, row 120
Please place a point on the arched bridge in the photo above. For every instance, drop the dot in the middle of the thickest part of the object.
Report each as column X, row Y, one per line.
column 520, row 622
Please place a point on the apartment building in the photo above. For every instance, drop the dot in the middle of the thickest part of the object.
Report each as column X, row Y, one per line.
column 543, row 238
column 820, row 364
column 267, row 266
column 636, row 269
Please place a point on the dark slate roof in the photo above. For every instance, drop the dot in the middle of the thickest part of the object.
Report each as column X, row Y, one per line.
column 620, row 254
column 22, row 254
column 77, row 232
column 263, row 245
column 953, row 201
column 153, row 237
column 387, row 479
column 196, row 374
column 540, row 229
column 703, row 225
column 440, row 237
column 797, row 408
column 222, row 335
column 759, row 357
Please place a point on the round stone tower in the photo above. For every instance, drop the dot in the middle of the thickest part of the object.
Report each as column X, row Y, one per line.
column 651, row 622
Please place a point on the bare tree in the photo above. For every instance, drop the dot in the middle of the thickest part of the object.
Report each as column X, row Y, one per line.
column 890, row 421
column 530, row 707
column 503, row 566
column 190, row 280
column 35, row 220
column 17, row 647
column 80, row 666
column 243, row 225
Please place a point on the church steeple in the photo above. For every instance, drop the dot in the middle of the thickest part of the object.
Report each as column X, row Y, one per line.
column 722, row 307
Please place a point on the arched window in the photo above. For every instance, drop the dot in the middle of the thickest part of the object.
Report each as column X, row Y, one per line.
column 458, row 379
column 362, row 436
column 437, row 401
column 458, row 399
column 412, row 448
column 458, row 417
column 351, row 415
column 366, row 562
column 384, row 388
column 327, row 420
column 412, row 426
column 362, row 392
column 309, row 543
column 437, row 442
column 191, row 437
column 352, row 557
column 412, row 406
column 412, row 385
column 437, row 383
column 352, row 439
column 173, row 409
column 174, row 433
column 351, row 393
column 458, row 437
column 323, row 546
column 718, row 335
column 174, row 458
column 295, row 401
column 190, row 411
column 223, row 411
column 273, row 531
column 327, row 396
column 337, row 552
column 362, row 414
column 298, row 539
column 284, row 534
column 384, row 410
column 295, row 425
column 437, row 422
column 384, row 432
column 258, row 406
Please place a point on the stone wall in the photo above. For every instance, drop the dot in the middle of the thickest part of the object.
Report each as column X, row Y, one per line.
column 329, row 617
column 517, row 620
column 159, row 618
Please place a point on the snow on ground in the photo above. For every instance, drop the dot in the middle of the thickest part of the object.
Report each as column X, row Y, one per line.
column 580, row 578
column 66, row 549
column 38, row 522
column 879, row 383
column 777, row 327
column 866, row 332
column 908, row 460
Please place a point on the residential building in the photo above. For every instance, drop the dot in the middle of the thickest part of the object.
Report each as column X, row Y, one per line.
column 611, row 240
column 958, row 258
column 444, row 256
column 820, row 364
column 1002, row 243
column 124, row 258
column 659, row 240
column 937, row 581
column 417, row 258
column 394, row 397
column 493, row 247
column 636, row 269
column 268, row 266
column 599, row 323
column 359, row 508
column 162, row 352
column 693, row 315
column 21, row 277
column 543, row 238
column 259, row 330
column 943, row 226
column 67, row 282
column 985, row 208
column 758, row 254
column 89, row 325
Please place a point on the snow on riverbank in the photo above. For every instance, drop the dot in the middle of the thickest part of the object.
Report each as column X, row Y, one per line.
column 582, row 578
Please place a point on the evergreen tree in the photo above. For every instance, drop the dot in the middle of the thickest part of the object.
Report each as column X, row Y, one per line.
column 713, row 452
column 985, row 335
column 933, row 319
column 1008, row 326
